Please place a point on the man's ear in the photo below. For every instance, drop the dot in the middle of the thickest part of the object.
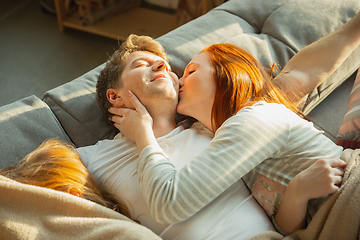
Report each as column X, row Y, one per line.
column 114, row 98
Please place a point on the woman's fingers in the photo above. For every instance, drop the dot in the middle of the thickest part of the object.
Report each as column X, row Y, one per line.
column 338, row 171
column 337, row 167
column 118, row 126
column 338, row 180
column 135, row 102
column 116, row 119
column 337, row 162
column 121, row 112
column 117, row 111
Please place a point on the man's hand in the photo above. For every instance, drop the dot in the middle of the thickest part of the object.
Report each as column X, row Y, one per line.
column 132, row 123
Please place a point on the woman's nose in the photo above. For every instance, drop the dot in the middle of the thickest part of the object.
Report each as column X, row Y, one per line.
column 181, row 81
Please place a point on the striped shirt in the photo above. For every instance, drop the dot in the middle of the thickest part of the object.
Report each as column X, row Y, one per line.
column 265, row 138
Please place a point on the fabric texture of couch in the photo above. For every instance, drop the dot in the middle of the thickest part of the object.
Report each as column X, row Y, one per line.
column 273, row 31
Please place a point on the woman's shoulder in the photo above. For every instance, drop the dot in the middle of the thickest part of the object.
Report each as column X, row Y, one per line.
column 265, row 110
column 263, row 106
column 260, row 115
column 261, row 119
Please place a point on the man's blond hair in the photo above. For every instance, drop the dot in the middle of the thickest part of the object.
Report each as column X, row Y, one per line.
column 110, row 75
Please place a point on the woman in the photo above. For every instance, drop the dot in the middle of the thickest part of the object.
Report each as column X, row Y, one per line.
column 262, row 129
column 257, row 133
column 57, row 165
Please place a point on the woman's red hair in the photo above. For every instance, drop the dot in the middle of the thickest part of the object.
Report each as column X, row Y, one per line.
column 240, row 81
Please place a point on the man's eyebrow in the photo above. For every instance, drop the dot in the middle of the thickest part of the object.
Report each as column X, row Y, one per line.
column 147, row 59
column 134, row 61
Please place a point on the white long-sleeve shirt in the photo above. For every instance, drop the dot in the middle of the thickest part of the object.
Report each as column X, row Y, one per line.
column 266, row 139
column 234, row 214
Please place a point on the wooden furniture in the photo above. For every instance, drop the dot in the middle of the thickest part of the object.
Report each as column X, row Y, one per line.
column 141, row 21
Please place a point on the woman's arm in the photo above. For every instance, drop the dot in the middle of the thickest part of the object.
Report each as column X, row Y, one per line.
column 242, row 143
column 317, row 61
column 319, row 180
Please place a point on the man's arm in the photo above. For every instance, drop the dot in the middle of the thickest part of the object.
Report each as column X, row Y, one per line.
column 317, row 61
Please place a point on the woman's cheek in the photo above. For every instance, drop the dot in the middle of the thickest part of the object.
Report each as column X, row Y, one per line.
column 181, row 108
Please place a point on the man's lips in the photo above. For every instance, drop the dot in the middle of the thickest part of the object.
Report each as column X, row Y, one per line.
column 158, row 77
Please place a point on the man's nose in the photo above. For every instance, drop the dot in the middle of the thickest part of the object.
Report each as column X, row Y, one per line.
column 159, row 65
column 175, row 77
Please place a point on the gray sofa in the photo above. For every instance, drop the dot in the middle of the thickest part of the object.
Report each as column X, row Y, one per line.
column 273, row 31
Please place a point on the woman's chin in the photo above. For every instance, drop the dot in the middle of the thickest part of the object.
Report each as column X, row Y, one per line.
column 180, row 109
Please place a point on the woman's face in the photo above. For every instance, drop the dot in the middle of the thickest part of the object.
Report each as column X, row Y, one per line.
column 197, row 89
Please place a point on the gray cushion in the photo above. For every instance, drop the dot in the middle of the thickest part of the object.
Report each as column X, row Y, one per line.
column 25, row 124
column 273, row 31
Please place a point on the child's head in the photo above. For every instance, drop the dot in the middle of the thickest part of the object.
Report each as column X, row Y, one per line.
column 57, row 165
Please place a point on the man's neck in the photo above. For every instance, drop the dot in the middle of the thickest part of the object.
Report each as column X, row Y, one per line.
column 163, row 116
column 162, row 126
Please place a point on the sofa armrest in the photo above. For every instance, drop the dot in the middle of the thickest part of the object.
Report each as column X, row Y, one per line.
column 75, row 106
column 24, row 125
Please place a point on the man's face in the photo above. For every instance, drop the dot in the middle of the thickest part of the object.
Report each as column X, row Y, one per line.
column 149, row 77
